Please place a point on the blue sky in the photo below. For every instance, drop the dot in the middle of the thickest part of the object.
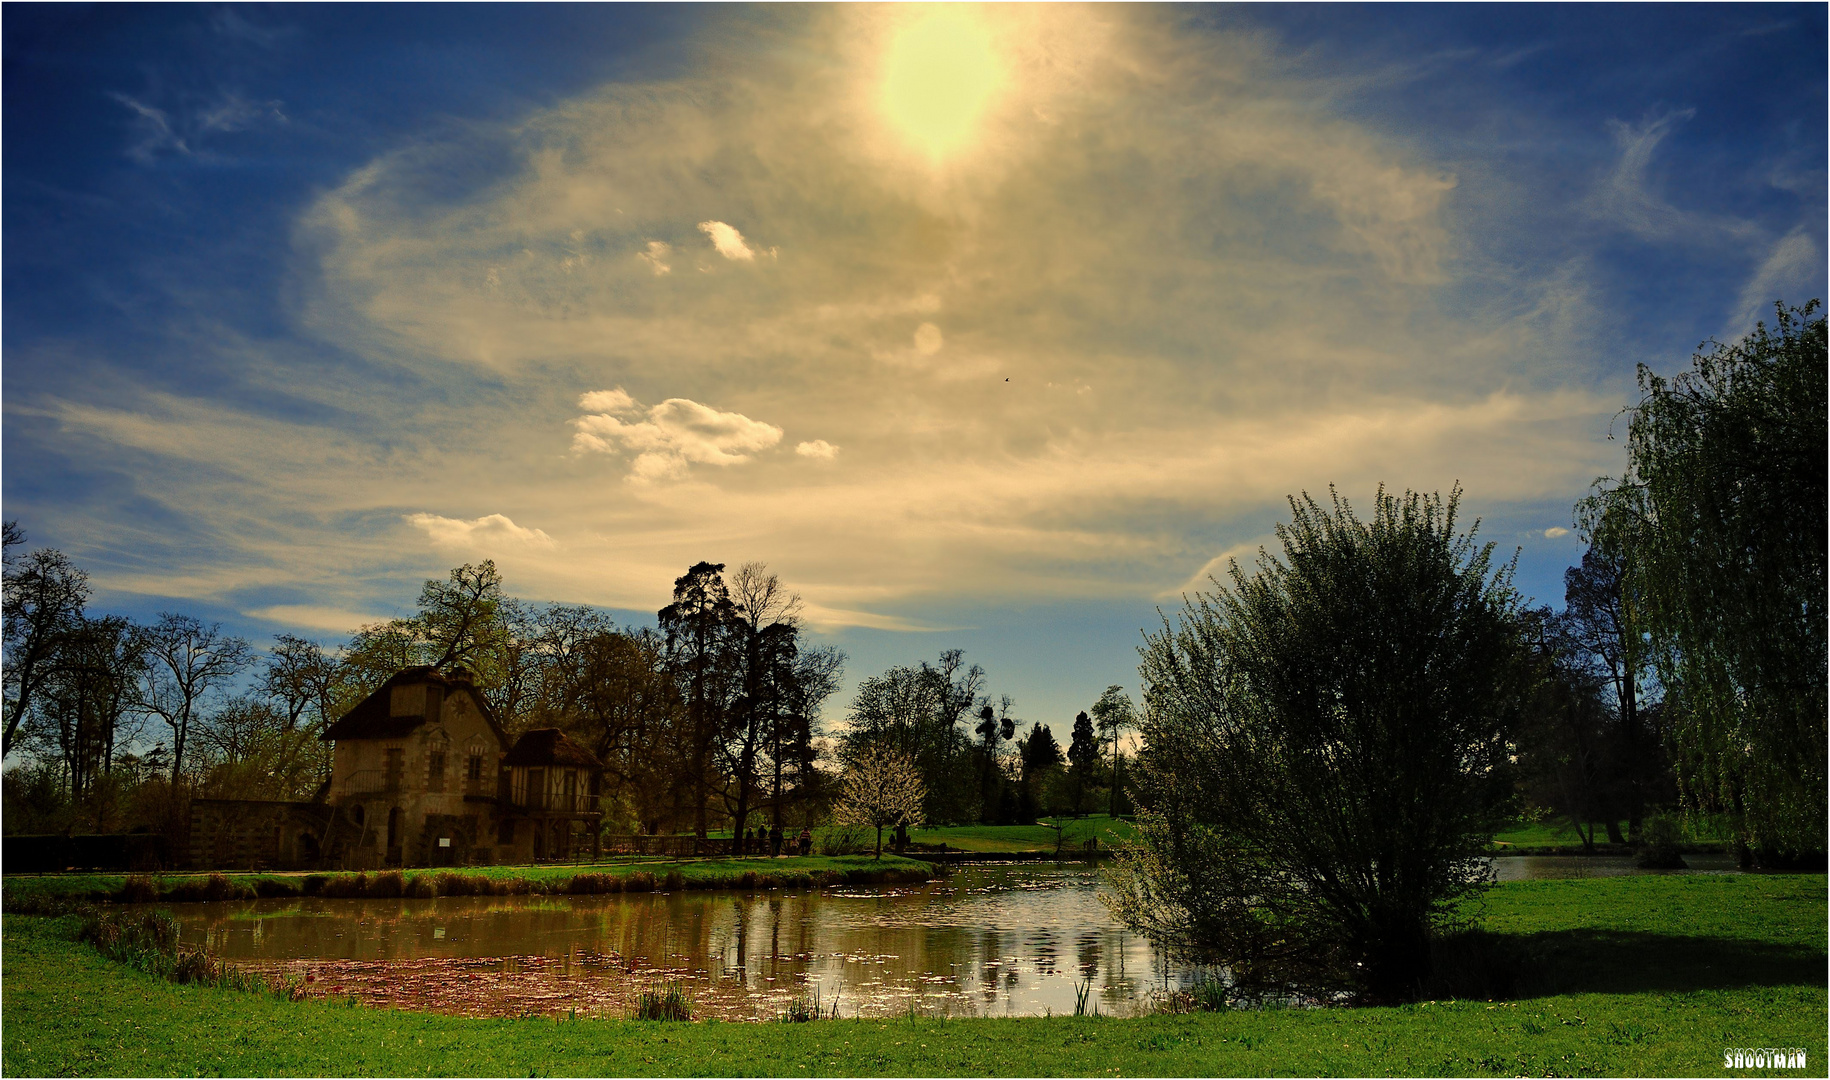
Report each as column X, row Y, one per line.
column 305, row 304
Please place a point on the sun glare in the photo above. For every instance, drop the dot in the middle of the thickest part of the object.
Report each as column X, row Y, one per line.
column 940, row 74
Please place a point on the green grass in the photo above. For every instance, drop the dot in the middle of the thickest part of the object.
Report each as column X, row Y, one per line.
column 1660, row 975
column 30, row 894
column 1529, row 837
column 1013, row 838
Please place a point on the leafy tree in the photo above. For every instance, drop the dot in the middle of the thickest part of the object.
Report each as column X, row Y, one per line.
column 1595, row 626
column 1568, row 742
column 882, row 789
column 465, row 622
column 704, row 642
column 1325, row 745
column 1040, row 751
column 1719, row 524
column 44, row 596
column 1083, row 760
column 1113, row 713
column 919, row 710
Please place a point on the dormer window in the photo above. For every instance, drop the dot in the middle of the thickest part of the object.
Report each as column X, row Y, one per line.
column 407, row 700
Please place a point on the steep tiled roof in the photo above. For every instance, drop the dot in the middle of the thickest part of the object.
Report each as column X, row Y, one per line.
column 550, row 746
column 370, row 718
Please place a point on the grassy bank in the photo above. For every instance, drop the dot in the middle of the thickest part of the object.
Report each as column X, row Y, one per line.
column 44, row 894
column 1656, row 975
column 1014, row 838
column 1561, row 838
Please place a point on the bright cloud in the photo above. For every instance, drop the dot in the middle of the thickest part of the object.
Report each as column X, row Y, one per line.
column 656, row 257
column 488, row 533
column 315, row 617
column 727, row 240
column 1555, row 531
column 1240, row 292
column 675, row 434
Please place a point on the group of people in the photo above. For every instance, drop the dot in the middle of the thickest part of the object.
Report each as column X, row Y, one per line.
column 755, row 839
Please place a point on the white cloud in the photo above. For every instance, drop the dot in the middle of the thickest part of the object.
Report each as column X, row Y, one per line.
column 1785, row 275
column 677, row 433
column 315, row 617
column 1250, row 282
column 1555, row 531
column 656, row 256
column 491, row 532
column 155, row 131
column 608, row 401
column 727, row 240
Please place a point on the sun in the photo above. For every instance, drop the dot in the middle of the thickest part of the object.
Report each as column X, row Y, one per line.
column 940, row 74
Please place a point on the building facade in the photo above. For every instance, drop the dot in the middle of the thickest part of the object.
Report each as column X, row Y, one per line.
column 421, row 775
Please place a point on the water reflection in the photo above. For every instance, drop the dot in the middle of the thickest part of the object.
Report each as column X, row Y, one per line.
column 989, row 941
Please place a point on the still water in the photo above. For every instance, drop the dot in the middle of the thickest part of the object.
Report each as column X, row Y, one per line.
column 1012, row 940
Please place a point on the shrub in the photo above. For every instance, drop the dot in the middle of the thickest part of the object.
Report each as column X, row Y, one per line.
column 1659, row 849
column 348, row 886
column 639, row 881
column 422, row 887
column 674, row 881
column 270, row 888
column 139, row 889
column 1324, row 749
column 388, row 883
column 450, row 884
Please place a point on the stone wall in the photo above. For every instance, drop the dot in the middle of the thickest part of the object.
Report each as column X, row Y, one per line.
column 242, row 834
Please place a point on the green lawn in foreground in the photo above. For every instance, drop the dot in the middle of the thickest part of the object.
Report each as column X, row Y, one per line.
column 1660, row 975
column 1008, row 838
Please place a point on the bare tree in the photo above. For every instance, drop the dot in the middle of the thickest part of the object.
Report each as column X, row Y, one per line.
column 303, row 678
column 44, row 599
column 187, row 663
column 84, row 706
column 882, row 789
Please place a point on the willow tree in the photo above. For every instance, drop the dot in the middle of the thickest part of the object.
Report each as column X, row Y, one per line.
column 1719, row 521
column 1325, row 743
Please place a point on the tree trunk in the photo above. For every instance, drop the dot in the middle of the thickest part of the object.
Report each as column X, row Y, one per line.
column 879, row 854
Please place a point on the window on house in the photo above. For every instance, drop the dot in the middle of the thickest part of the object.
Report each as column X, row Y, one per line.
column 396, row 767
column 435, row 772
column 473, row 773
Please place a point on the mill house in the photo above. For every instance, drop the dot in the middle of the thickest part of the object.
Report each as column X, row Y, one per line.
column 421, row 775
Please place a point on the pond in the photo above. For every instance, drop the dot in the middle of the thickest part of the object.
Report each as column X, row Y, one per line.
column 1013, row 940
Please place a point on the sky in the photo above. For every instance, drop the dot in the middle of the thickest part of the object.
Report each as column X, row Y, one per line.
column 992, row 328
